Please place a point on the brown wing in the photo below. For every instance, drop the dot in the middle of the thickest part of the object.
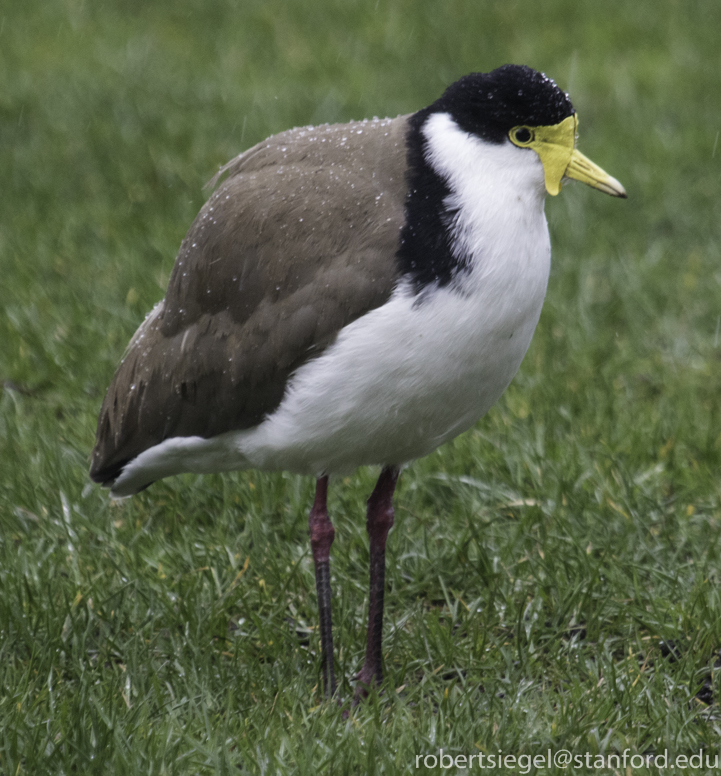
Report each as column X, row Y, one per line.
column 299, row 241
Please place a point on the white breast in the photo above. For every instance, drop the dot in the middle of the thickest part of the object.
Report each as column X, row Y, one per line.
column 419, row 370
column 414, row 373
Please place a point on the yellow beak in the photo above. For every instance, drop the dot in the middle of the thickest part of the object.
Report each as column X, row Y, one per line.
column 556, row 147
column 581, row 168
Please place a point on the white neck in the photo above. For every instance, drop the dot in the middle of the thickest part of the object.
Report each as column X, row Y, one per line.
column 497, row 193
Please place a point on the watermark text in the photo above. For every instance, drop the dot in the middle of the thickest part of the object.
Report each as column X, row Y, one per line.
column 563, row 758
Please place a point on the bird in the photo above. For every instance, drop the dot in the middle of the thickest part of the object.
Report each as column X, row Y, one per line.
column 350, row 294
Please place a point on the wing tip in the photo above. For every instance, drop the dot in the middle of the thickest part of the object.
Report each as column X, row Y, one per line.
column 108, row 476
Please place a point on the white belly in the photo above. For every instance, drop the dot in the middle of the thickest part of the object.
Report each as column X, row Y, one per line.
column 398, row 383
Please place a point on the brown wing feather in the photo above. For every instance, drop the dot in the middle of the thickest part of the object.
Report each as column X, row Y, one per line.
column 299, row 241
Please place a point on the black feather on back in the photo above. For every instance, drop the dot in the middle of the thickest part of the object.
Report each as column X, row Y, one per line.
column 425, row 253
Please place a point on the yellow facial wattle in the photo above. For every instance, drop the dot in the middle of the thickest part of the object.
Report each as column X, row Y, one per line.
column 556, row 148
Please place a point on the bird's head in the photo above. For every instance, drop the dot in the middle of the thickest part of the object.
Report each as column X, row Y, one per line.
column 516, row 104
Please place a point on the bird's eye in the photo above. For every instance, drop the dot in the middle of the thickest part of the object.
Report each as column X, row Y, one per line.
column 521, row 135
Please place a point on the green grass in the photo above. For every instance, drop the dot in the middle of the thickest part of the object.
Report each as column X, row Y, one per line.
column 553, row 574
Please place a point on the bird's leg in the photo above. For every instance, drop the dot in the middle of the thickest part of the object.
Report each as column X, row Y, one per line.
column 378, row 522
column 321, row 537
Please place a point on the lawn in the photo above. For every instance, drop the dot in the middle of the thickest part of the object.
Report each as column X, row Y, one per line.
column 553, row 574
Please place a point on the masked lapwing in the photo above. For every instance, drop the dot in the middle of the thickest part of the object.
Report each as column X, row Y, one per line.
column 353, row 294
